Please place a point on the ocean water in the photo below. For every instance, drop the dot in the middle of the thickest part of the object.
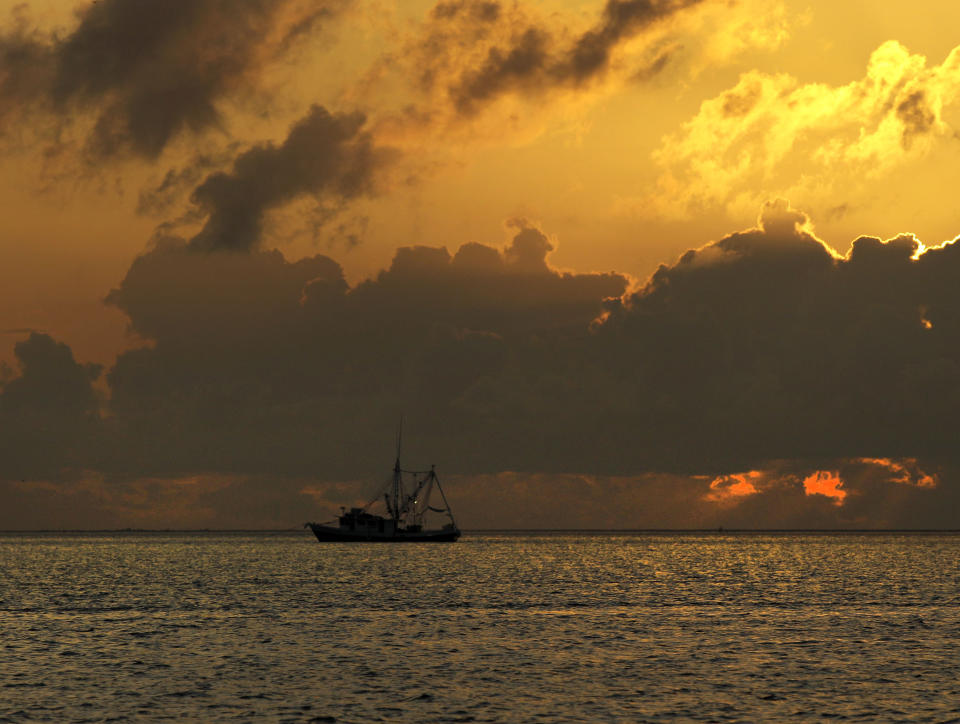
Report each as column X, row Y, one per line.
column 495, row 628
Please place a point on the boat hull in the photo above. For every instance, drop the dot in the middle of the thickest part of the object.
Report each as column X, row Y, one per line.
column 327, row 534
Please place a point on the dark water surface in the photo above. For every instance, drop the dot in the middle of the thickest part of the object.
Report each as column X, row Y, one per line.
column 511, row 628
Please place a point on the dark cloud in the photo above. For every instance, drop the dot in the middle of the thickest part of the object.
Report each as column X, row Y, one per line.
column 149, row 70
column 622, row 19
column 289, row 359
column 49, row 412
column 177, row 183
column 479, row 50
column 523, row 62
column 93, row 501
column 764, row 345
column 50, row 381
column 772, row 347
column 25, row 64
column 483, row 10
column 324, row 155
column 780, row 497
column 762, row 378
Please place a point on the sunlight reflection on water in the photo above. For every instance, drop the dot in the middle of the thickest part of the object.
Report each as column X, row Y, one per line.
column 561, row 627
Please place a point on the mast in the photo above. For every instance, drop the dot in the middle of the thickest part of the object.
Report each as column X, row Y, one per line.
column 397, row 480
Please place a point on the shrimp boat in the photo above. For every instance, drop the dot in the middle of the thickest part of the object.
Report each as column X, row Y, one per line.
column 405, row 513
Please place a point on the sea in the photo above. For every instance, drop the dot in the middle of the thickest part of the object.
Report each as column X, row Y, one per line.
column 498, row 627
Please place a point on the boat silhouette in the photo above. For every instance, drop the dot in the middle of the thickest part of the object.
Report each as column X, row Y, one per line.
column 404, row 521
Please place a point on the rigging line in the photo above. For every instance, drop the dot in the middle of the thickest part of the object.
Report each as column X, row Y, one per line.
column 384, row 488
column 374, row 500
column 442, row 495
column 427, row 495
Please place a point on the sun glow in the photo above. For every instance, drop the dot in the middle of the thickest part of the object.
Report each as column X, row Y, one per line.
column 827, row 483
column 733, row 487
column 904, row 472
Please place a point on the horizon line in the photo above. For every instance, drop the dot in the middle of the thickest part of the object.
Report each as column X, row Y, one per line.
column 718, row 529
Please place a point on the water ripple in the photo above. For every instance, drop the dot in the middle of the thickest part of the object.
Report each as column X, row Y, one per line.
column 535, row 628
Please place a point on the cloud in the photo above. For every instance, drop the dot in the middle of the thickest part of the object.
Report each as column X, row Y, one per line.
column 857, row 493
column 25, row 62
column 812, row 142
column 771, row 380
column 92, row 500
column 325, row 155
column 729, row 488
column 770, row 345
column 483, row 68
column 50, row 381
column 162, row 197
column 49, row 412
column 774, row 497
column 290, row 359
column 534, row 59
column 826, row 483
column 481, row 501
column 764, row 345
column 148, row 71
column 904, row 472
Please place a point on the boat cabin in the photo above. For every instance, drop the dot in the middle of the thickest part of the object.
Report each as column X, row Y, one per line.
column 359, row 520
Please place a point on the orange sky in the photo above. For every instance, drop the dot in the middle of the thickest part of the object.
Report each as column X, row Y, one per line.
column 619, row 170
column 580, row 137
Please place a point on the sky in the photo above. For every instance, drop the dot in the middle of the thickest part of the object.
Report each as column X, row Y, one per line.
column 618, row 264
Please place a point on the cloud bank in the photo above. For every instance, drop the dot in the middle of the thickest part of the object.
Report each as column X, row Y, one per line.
column 772, row 380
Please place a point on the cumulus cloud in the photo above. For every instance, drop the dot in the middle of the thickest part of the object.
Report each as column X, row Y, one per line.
column 50, row 381
column 773, row 346
column 764, row 345
column 289, row 358
column 811, row 141
column 147, row 71
column 49, row 411
column 764, row 378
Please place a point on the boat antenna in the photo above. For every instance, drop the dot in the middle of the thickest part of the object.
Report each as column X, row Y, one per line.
column 399, row 440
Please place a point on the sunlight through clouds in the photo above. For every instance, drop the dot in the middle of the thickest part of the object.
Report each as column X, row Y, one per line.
column 770, row 133
column 826, row 483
